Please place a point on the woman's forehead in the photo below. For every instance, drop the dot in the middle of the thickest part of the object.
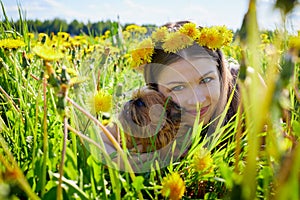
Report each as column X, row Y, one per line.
column 195, row 65
column 184, row 70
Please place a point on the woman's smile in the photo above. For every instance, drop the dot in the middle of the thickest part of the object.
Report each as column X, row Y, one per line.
column 203, row 110
column 197, row 83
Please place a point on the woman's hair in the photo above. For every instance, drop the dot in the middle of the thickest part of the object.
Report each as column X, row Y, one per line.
column 160, row 58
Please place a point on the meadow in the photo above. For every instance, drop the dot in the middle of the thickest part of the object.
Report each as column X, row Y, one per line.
column 58, row 91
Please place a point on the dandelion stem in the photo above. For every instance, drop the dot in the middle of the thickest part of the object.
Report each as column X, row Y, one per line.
column 12, row 166
column 79, row 134
column 238, row 137
column 84, row 137
column 9, row 99
column 110, row 137
column 45, row 139
column 104, row 129
column 61, row 167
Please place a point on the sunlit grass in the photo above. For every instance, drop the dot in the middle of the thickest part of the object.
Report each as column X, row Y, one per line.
column 50, row 142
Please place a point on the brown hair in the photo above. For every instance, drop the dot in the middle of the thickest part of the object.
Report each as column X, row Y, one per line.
column 160, row 58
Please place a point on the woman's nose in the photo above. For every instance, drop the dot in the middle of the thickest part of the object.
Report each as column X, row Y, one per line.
column 196, row 96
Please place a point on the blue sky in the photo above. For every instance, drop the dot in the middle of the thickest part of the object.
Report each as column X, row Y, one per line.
column 203, row 12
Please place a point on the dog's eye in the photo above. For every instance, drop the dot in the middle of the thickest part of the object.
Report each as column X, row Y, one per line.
column 139, row 103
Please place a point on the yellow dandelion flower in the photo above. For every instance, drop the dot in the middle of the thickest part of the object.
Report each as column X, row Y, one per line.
column 74, row 81
column 226, row 34
column 66, row 44
column 176, row 41
column 294, row 42
column 84, row 41
column 105, row 121
column 172, row 42
column 100, row 102
column 79, row 37
column 102, row 38
column 126, row 34
column 43, row 38
column 63, row 35
column 126, row 56
column 190, row 30
column 215, row 37
column 53, row 38
column 210, row 38
column 75, row 43
column 30, row 35
column 202, row 161
column 142, row 30
column 30, row 57
column 264, row 38
column 129, row 28
column 72, row 72
column 89, row 49
column 47, row 53
column 132, row 28
column 10, row 43
column 173, row 186
column 142, row 54
column 160, row 34
column 136, row 28
column 107, row 34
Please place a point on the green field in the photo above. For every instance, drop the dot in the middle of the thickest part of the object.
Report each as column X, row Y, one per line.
column 49, row 125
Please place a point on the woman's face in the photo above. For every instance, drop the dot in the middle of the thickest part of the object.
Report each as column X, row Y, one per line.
column 191, row 83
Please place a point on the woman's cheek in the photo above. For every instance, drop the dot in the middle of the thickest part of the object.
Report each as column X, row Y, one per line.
column 178, row 98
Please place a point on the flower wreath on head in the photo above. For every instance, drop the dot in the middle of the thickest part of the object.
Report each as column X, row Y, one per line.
column 173, row 41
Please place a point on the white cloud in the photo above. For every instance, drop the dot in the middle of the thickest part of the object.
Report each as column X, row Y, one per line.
column 204, row 12
column 266, row 1
column 12, row 8
column 133, row 5
column 54, row 4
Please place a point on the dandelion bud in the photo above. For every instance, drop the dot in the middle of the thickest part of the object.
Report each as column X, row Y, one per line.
column 119, row 90
column 64, row 78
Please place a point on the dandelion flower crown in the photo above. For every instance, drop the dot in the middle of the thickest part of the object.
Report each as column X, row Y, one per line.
column 172, row 41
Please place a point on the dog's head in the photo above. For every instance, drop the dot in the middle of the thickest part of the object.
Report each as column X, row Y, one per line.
column 149, row 118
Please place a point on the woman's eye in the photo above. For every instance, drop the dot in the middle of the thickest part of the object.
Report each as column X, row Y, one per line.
column 177, row 88
column 206, row 80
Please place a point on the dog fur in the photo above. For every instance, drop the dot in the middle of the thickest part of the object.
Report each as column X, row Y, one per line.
column 150, row 121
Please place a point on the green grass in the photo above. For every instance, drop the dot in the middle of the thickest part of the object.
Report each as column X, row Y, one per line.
column 51, row 149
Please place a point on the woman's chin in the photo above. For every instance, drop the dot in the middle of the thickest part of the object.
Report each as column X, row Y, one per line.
column 190, row 121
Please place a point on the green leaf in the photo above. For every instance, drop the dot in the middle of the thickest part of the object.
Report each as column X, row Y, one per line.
column 51, row 194
column 296, row 128
column 72, row 185
column 70, row 164
column 138, row 183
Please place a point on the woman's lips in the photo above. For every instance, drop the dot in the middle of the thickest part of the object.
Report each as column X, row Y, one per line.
column 202, row 111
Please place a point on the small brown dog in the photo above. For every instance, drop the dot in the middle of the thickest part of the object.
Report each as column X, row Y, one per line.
column 150, row 121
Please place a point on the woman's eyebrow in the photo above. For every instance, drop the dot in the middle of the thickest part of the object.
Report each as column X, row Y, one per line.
column 180, row 82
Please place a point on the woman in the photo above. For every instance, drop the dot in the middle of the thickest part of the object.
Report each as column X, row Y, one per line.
column 185, row 62
column 194, row 76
